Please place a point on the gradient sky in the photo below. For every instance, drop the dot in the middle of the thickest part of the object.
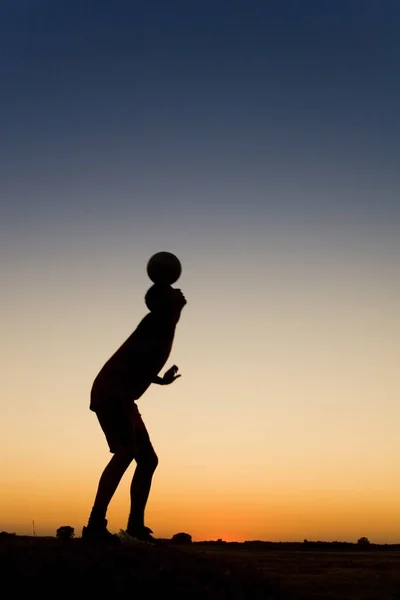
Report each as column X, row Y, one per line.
column 259, row 141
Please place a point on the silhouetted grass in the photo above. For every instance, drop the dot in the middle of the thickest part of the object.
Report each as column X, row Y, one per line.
column 52, row 566
column 323, row 574
column 47, row 565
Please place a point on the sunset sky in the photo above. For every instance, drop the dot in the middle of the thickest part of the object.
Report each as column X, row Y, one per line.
column 260, row 142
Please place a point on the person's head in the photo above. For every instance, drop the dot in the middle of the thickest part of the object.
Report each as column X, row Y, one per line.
column 164, row 300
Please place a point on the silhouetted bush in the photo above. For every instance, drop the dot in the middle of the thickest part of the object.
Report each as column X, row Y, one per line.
column 65, row 532
column 363, row 542
column 181, row 538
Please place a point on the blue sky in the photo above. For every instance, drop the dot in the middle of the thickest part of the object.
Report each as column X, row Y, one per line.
column 259, row 107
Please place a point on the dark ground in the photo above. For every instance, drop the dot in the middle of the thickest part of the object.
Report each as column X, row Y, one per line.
column 49, row 566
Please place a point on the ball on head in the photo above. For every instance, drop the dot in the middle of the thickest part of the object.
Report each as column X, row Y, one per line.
column 164, row 268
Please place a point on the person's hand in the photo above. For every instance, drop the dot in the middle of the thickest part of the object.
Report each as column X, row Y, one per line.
column 179, row 299
column 170, row 375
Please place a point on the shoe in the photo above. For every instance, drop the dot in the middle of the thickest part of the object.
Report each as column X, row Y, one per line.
column 99, row 534
column 143, row 534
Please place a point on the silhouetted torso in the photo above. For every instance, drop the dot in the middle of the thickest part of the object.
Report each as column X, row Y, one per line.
column 133, row 367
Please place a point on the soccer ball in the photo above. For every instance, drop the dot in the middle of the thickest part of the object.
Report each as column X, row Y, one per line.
column 164, row 268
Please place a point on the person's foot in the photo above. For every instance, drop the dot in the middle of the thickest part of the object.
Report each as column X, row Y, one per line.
column 99, row 533
column 143, row 534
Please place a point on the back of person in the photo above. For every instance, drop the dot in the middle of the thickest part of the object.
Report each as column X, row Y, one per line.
column 132, row 368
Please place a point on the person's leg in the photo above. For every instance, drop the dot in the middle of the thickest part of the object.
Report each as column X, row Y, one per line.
column 108, row 484
column 115, row 422
column 140, row 490
column 147, row 462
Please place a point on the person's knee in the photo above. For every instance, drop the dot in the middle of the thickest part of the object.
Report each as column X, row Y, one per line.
column 155, row 461
column 152, row 461
column 148, row 461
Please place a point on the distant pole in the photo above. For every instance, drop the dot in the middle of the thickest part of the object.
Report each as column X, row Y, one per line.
column 33, row 529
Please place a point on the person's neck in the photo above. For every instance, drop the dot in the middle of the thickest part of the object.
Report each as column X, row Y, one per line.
column 169, row 319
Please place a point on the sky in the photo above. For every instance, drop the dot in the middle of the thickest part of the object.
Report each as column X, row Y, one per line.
column 260, row 142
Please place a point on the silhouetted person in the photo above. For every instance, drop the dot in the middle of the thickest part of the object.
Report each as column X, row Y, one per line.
column 122, row 381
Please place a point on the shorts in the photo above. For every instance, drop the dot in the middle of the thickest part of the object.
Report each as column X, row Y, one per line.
column 123, row 427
